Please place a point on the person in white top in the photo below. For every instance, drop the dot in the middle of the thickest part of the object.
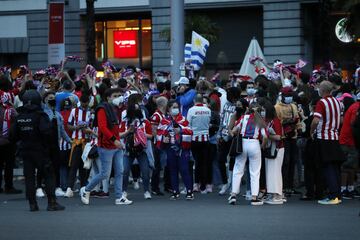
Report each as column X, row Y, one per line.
column 199, row 121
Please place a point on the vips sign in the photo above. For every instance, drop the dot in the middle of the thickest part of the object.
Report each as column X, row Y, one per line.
column 56, row 47
column 125, row 43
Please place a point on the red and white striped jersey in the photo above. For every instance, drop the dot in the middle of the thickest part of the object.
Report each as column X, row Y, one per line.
column 77, row 117
column 249, row 128
column 328, row 110
column 8, row 97
column 165, row 129
column 157, row 117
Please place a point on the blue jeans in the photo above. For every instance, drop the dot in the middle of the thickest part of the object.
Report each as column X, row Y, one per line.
column 107, row 157
column 180, row 164
column 144, row 168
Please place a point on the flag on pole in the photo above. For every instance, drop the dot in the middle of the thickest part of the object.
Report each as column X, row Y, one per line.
column 199, row 46
column 254, row 62
column 187, row 52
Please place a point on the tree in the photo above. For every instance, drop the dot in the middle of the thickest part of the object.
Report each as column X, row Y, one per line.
column 201, row 24
column 352, row 24
column 90, row 32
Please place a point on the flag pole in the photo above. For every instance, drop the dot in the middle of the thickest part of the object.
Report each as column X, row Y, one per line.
column 177, row 38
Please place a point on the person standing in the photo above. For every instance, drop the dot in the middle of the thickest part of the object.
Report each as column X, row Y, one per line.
column 33, row 129
column 185, row 96
column 199, row 117
column 110, row 148
column 325, row 129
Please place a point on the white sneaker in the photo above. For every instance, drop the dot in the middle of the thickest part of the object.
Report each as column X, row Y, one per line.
column 209, row 188
column 147, row 195
column 69, row 193
column 224, row 189
column 183, row 192
column 59, row 192
column 274, row 201
column 136, row 185
column 204, row 192
column 123, row 201
column 85, row 196
column 124, row 194
column 40, row 193
column 196, row 187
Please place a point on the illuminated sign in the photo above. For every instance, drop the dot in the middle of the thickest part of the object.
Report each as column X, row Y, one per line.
column 340, row 32
column 125, row 44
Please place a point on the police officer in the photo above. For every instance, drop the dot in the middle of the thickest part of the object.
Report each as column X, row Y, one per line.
column 32, row 129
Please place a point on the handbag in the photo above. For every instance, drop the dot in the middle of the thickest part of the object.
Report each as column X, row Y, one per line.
column 93, row 153
column 236, row 147
column 271, row 151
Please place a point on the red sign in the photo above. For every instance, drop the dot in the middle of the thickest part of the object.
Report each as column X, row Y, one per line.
column 125, row 44
column 56, row 23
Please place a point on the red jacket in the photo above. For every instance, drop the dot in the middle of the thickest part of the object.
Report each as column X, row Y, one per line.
column 346, row 135
column 106, row 136
column 184, row 137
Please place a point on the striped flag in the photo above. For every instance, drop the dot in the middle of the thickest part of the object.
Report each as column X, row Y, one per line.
column 199, row 46
column 187, row 52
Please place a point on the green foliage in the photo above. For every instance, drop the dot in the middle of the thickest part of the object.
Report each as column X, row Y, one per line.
column 199, row 23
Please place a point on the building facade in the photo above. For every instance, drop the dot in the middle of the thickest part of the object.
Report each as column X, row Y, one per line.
column 285, row 30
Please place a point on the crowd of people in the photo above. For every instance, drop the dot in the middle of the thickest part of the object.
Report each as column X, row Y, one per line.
column 281, row 131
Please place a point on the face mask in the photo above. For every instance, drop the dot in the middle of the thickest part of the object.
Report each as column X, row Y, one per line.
column 263, row 114
column 251, row 91
column 288, row 100
column 52, row 102
column 117, row 101
column 175, row 111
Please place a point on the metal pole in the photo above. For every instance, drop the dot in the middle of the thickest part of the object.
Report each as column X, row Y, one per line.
column 177, row 38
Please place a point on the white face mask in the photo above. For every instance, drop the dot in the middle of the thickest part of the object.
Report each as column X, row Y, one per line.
column 117, row 101
column 288, row 100
column 263, row 114
column 175, row 111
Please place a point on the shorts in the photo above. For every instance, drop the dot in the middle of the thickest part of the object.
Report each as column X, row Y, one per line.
column 351, row 157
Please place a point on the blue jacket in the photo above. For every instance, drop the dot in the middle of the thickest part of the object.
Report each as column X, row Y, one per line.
column 186, row 101
column 60, row 123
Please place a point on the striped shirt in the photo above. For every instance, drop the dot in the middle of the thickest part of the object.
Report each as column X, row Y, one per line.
column 249, row 128
column 328, row 110
column 77, row 117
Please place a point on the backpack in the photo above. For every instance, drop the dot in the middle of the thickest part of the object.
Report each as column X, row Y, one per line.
column 136, row 142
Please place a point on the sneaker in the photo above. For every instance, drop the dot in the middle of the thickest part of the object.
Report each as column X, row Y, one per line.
column 54, row 206
column 224, row 189
column 274, row 201
column 69, row 193
column 209, row 188
column 102, row 194
column 183, row 191
column 147, row 195
column 124, row 194
column 85, row 196
column 59, row 192
column 327, row 201
column 189, row 196
column 256, row 202
column 157, row 193
column 196, row 188
column 123, row 201
column 40, row 193
column 175, row 196
column 204, row 191
column 262, row 195
column 12, row 191
column 347, row 195
column 136, row 185
column 232, row 200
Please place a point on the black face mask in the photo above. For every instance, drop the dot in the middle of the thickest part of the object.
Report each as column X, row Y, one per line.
column 52, row 102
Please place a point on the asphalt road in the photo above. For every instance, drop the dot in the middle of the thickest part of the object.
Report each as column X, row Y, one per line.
column 207, row 217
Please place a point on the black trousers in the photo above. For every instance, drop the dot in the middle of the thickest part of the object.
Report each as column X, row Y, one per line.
column 75, row 165
column 312, row 173
column 224, row 148
column 36, row 160
column 203, row 163
column 7, row 161
column 288, row 167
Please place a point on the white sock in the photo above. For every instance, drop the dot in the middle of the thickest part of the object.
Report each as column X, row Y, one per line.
column 343, row 188
column 351, row 188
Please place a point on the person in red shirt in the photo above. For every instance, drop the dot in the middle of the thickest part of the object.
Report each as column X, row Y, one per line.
column 347, row 142
column 136, row 130
column 110, row 148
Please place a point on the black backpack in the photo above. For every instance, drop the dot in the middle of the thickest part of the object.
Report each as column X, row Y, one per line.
column 134, row 151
